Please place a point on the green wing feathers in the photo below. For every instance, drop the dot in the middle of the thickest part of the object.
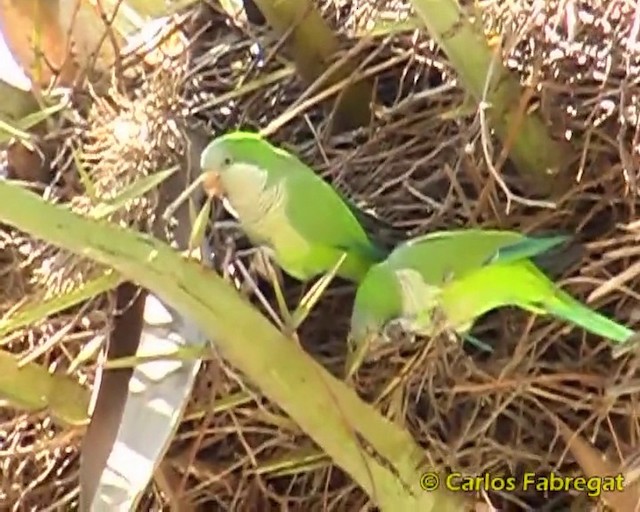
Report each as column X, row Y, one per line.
column 459, row 250
column 334, row 224
column 320, row 215
column 456, row 253
column 526, row 248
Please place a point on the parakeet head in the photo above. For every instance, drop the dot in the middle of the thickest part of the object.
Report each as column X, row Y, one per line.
column 376, row 306
column 223, row 156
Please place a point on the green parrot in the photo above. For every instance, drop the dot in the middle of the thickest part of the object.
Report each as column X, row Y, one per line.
column 283, row 205
column 444, row 281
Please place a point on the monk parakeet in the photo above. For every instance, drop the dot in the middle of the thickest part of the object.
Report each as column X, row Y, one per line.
column 445, row 281
column 283, row 205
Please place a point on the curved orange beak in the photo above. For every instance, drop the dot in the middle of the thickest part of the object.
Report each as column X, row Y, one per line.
column 212, row 184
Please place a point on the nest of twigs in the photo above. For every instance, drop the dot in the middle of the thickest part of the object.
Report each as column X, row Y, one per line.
column 422, row 165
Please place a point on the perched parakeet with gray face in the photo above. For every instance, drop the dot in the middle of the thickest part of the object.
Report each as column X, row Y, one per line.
column 283, row 205
column 445, row 281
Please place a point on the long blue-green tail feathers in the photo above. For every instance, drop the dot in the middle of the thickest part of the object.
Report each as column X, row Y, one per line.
column 567, row 308
column 556, row 261
column 526, row 249
column 472, row 340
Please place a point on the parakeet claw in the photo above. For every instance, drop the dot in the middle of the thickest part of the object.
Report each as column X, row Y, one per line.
column 192, row 254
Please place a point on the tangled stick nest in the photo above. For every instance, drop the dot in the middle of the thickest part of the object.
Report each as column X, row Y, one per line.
column 422, row 165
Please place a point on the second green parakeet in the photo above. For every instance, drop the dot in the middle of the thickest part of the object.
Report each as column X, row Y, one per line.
column 283, row 205
column 446, row 280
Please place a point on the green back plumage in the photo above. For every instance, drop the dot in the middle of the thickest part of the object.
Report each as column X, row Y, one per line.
column 475, row 271
column 454, row 253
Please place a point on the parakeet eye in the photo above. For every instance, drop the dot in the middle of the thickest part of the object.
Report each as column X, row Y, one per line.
column 227, row 160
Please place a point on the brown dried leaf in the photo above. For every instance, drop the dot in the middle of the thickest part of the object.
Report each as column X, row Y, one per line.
column 27, row 25
column 57, row 37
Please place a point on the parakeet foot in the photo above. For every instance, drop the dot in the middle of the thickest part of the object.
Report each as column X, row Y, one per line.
column 192, row 254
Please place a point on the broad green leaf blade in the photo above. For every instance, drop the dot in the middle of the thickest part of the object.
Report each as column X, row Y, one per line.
column 379, row 455
column 33, row 388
